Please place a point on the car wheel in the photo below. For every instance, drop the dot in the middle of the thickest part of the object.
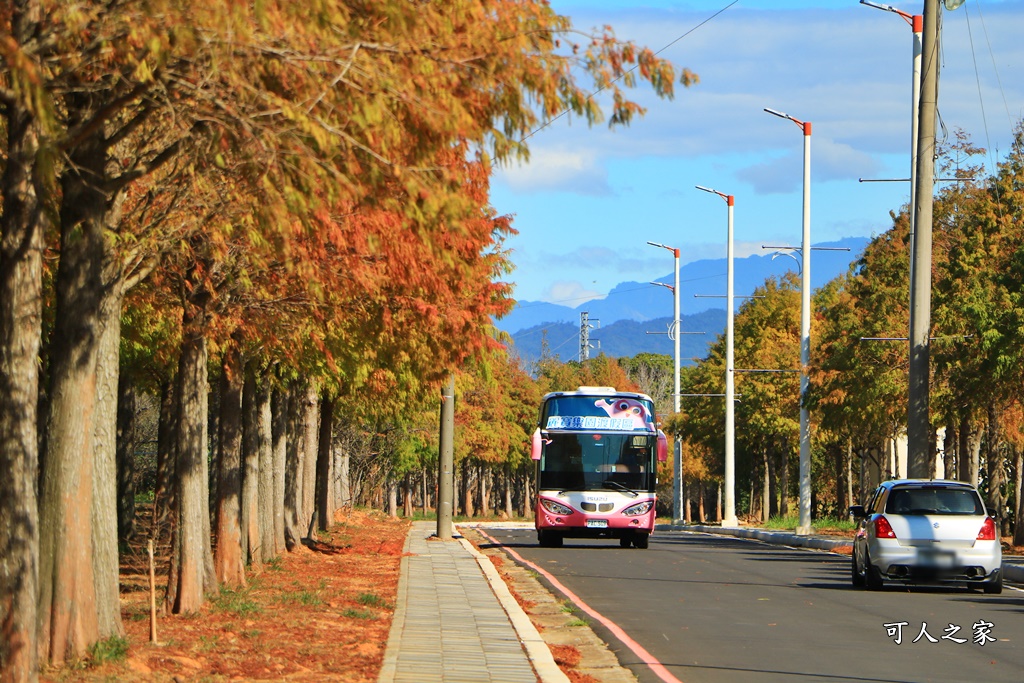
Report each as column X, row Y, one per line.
column 995, row 586
column 872, row 576
column 641, row 541
column 625, row 542
column 856, row 578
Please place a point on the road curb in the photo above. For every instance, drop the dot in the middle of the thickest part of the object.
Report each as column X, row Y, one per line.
column 536, row 648
column 1013, row 567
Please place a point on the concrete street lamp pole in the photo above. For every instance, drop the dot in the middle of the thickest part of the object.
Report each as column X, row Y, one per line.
column 729, row 517
column 919, row 456
column 804, row 524
column 677, row 458
column 446, row 461
column 916, row 22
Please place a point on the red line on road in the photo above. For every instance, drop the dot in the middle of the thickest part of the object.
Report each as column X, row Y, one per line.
column 645, row 657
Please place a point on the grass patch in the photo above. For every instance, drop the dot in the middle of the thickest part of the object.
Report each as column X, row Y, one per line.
column 371, row 600
column 235, row 602
column 208, row 643
column 305, row 598
column 577, row 622
column 565, row 606
column 791, row 522
column 358, row 614
column 113, row 649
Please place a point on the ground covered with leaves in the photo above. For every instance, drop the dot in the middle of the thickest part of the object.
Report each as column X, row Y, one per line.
column 321, row 613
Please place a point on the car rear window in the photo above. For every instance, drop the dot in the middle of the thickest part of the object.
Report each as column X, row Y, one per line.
column 934, row 501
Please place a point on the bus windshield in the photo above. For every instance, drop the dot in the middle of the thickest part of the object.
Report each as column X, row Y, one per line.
column 595, row 461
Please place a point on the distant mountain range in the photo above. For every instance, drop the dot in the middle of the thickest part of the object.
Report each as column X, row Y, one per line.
column 624, row 338
column 632, row 309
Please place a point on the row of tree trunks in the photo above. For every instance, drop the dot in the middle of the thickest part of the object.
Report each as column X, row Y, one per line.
column 477, row 492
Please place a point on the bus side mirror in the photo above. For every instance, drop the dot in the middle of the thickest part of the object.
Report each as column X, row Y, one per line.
column 535, row 444
column 662, row 446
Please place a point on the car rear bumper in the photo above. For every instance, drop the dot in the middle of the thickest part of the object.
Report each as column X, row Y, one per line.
column 978, row 564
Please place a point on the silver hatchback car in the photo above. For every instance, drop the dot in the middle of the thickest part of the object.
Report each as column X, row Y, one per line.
column 926, row 530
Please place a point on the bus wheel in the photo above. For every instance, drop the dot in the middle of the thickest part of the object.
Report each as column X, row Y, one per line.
column 625, row 542
column 549, row 539
column 641, row 540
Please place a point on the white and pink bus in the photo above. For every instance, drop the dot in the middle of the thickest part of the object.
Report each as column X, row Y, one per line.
column 597, row 451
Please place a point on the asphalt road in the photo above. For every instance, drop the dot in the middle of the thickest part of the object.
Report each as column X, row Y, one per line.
column 721, row 609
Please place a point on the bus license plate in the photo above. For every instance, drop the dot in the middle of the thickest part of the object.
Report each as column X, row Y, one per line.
column 597, row 523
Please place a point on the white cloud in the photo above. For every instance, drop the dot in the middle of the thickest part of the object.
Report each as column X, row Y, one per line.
column 829, row 161
column 570, row 293
column 554, row 170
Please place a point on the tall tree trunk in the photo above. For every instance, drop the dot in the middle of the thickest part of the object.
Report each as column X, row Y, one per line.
column 69, row 621
column 766, row 493
column 839, row 461
column 264, row 430
column 784, row 482
column 21, row 297
column 127, row 407
column 467, row 488
column 528, row 493
column 407, row 496
column 311, row 444
column 848, row 468
column 279, row 428
column 963, row 460
column 392, row 487
column 1018, row 488
column 293, row 469
column 324, row 499
column 994, row 465
column 228, row 558
column 483, row 476
column 193, row 542
column 164, row 495
column 345, row 476
column 106, row 559
column 252, row 545
column 949, row 452
column 424, row 493
column 700, row 502
column 508, row 491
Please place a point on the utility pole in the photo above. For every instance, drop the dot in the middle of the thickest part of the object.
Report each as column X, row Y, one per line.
column 919, row 454
column 678, row 490
column 585, row 328
column 446, row 461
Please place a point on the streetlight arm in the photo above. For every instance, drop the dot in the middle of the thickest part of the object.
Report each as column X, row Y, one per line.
column 805, row 125
column 727, row 197
column 889, row 8
column 662, row 284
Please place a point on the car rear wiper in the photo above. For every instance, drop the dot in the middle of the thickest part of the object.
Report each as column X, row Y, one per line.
column 608, row 483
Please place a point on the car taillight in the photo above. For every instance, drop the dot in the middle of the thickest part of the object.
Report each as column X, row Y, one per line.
column 882, row 528
column 988, row 530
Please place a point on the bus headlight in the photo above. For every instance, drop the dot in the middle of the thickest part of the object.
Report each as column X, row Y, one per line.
column 556, row 508
column 639, row 509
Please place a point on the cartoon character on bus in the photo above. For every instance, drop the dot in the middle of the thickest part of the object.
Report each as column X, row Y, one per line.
column 627, row 408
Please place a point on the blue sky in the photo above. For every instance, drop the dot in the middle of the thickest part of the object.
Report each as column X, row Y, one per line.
column 589, row 199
